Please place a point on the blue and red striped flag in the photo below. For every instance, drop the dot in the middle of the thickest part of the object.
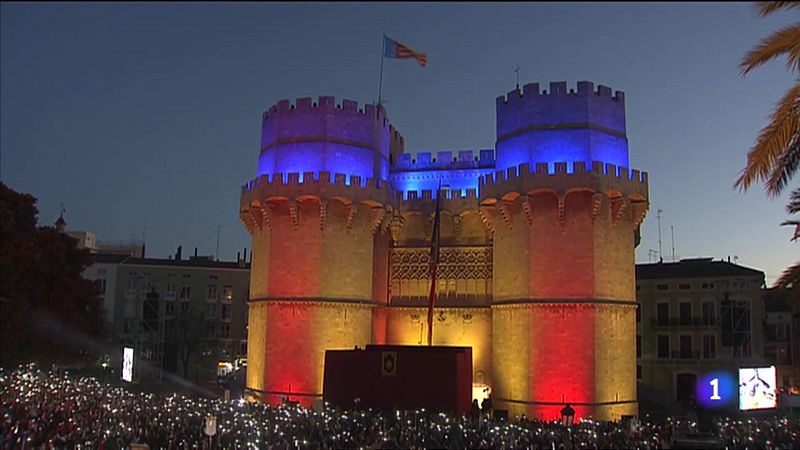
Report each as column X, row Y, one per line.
column 394, row 49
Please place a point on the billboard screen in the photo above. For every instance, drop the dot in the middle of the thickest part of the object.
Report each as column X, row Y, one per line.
column 757, row 388
column 127, row 364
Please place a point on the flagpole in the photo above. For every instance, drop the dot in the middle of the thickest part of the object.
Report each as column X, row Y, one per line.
column 434, row 262
column 380, row 80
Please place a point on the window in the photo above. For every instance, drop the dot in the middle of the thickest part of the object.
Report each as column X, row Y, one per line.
column 186, row 292
column 184, row 308
column 663, row 346
column 638, row 313
column 662, row 287
column 100, row 287
column 227, row 293
column 171, row 283
column 211, row 311
column 169, row 308
column 226, row 312
column 638, row 287
column 662, row 314
column 684, row 286
column 212, row 291
column 707, row 285
column 225, row 331
column 638, row 346
column 708, row 313
column 686, row 347
column 685, row 312
column 638, row 372
column 709, row 346
column 782, row 331
column 186, row 275
column 210, row 329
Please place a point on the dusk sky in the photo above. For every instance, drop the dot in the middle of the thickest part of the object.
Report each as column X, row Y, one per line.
column 147, row 116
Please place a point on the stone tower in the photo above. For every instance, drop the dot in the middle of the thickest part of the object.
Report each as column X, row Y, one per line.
column 565, row 211
column 536, row 258
column 316, row 213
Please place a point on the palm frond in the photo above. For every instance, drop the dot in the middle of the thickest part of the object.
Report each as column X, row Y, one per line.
column 766, row 8
column 794, row 202
column 784, row 168
column 785, row 41
column 796, row 224
column 789, row 281
column 774, row 142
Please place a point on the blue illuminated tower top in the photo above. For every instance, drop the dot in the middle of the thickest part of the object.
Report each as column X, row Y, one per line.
column 561, row 126
column 323, row 136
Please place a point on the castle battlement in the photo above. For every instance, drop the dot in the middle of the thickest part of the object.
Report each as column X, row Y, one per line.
column 311, row 179
column 324, row 105
column 559, row 88
column 599, row 176
column 460, row 159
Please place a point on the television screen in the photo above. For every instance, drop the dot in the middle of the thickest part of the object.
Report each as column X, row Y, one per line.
column 127, row 364
column 757, row 388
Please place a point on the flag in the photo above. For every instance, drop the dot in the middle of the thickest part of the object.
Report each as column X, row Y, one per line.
column 434, row 262
column 394, row 49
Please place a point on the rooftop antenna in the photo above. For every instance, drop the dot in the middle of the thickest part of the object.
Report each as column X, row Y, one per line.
column 660, row 258
column 672, row 230
column 651, row 254
column 517, row 72
column 219, row 230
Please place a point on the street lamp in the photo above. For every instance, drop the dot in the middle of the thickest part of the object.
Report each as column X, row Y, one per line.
column 567, row 415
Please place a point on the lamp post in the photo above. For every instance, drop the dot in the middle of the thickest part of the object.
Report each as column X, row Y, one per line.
column 567, row 415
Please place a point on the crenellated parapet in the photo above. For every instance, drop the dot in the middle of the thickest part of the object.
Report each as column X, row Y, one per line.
column 444, row 160
column 530, row 105
column 598, row 177
column 321, row 135
column 583, row 124
column 306, row 118
column 265, row 193
column 619, row 188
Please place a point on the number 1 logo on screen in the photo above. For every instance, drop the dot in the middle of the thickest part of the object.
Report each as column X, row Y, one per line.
column 715, row 390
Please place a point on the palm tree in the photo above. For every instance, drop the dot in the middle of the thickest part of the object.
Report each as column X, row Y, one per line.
column 775, row 158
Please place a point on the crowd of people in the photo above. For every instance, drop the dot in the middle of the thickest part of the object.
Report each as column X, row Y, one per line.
column 45, row 409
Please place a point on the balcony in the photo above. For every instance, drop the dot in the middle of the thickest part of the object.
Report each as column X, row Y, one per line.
column 677, row 322
column 685, row 355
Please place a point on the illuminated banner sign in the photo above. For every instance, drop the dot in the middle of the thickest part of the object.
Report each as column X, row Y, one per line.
column 127, row 364
column 716, row 389
column 757, row 388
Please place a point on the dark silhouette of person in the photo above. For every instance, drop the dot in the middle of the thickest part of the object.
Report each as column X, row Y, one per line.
column 475, row 413
column 486, row 407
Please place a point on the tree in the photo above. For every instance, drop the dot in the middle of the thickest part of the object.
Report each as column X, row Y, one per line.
column 775, row 158
column 189, row 337
column 48, row 312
